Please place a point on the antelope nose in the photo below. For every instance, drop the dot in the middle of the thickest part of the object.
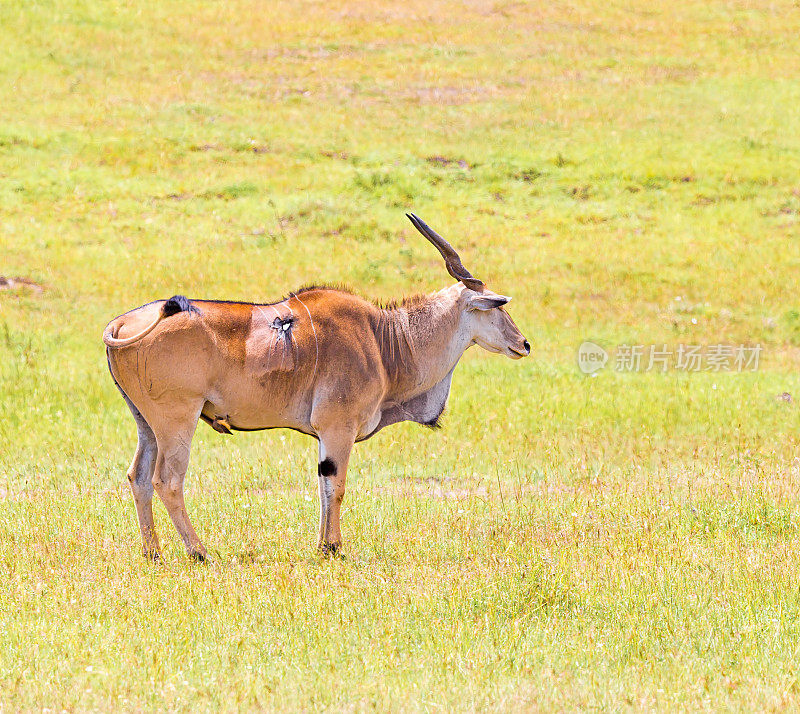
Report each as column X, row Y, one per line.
column 527, row 346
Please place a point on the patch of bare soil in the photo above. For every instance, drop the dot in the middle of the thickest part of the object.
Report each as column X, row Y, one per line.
column 17, row 283
column 446, row 161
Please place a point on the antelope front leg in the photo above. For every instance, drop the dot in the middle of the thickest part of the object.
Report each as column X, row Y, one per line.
column 334, row 454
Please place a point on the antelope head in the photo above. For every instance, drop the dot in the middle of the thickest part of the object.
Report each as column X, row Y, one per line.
column 482, row 311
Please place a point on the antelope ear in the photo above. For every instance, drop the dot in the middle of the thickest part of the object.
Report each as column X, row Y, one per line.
column 486, row 301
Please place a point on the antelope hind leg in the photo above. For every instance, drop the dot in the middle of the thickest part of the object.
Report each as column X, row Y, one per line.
column 140, row 477
column 174, row 438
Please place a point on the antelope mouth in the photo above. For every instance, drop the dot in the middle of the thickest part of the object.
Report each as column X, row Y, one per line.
column 516, row 353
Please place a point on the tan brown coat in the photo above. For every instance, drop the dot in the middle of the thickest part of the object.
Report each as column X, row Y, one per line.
column 322, row 361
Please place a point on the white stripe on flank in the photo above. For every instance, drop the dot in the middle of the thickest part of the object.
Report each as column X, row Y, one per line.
column 316, row 342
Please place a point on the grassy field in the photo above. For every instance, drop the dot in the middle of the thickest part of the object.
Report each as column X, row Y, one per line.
column 629, row 172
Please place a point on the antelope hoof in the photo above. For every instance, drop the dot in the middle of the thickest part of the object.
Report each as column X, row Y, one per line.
column 199, row 557
column 152, row 555
column 331, row 550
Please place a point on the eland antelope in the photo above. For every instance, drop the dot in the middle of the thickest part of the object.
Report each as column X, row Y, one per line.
column 322, row 361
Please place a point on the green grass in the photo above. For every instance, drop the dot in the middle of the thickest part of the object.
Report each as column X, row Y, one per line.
column 624, row 542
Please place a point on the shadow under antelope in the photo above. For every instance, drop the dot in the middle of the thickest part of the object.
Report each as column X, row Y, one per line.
column 322, row 361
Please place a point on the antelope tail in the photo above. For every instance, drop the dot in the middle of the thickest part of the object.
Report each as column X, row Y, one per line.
column 173, row 306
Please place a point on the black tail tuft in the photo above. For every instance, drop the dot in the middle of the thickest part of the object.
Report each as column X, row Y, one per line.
column 176, row 304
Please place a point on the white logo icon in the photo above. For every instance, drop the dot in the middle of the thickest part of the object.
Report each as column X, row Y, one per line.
column 591, row 358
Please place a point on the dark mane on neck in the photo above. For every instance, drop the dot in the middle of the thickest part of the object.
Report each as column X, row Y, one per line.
column 409, row 302
column 311, row 288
